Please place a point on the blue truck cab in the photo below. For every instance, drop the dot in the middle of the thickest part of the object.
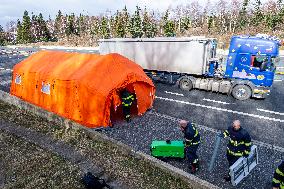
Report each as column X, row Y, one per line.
column 252, row 62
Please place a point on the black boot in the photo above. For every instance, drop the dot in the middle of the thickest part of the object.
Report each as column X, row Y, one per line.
column 227, row 178
column 128, row 119
column 194, row 166
column 193, row 169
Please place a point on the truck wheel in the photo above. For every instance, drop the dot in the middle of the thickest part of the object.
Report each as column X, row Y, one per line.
column 185, row 84
column 241, row 92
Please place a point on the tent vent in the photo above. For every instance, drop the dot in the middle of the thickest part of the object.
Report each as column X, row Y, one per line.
column 18, row 79
column 45, row 88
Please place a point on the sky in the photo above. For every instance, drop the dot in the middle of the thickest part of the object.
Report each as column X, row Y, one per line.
column 12, row 10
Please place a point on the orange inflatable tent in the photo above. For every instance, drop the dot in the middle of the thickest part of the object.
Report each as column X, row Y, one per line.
column 81, row 87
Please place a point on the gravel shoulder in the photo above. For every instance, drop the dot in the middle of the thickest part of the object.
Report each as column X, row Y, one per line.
column 154, row 126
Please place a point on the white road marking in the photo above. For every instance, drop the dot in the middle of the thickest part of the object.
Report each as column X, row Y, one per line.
column 259, row 143
column 269, row 111
column 6, row 69
column 219, row 102
column 178, row 94
column 222, row 109
column 5, row 82
column 277, row 80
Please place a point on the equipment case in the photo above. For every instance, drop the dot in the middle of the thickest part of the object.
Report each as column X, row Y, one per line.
column 163, row 149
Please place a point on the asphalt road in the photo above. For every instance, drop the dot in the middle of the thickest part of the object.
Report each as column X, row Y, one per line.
column 264, row 119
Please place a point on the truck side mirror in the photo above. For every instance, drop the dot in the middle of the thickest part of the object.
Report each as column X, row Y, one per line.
column 263, row 66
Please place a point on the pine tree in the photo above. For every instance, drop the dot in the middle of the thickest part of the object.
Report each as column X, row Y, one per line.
column 243, row 15
column 210, row 23
column 280, row 9
column 95, row 28
column 104, row 29
column 125, row 21
column 112, row 26
column 70, row 28
column 135, row 25
column 58, row 25
column 2, row 36
column 26, row 28
column 50, row 24
column 272, row 21
column 185, row 24
column 19, row 38
column 34, row 28
column 120, row 29
column 81, row 25
column 276, row 17
column 258, row 15
column 148, row 27
column 168, row 26
column 44, row 34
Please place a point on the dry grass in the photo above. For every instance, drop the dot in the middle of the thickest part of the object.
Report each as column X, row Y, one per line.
column 133, row 173
column 28, row 166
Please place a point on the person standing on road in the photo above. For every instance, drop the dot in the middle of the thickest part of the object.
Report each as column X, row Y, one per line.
column 278, row 179
column 239, row 143
column 127, row 99
column 192, row 141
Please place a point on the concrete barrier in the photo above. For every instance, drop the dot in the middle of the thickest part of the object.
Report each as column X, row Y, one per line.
column 191, row 180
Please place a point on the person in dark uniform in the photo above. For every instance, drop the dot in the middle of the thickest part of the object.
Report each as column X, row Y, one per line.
column 192, row 141
column 239, row 143
column 278, row 179
column 127, row 99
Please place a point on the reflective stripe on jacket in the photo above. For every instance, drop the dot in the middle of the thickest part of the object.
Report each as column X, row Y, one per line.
column 191, row 135
column 239, row 141
column 127, row 98
column 278, row 179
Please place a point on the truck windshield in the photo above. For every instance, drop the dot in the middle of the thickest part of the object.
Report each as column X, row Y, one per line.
column 258, row 60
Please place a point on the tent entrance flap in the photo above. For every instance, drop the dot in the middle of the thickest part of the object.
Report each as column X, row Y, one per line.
column 116, row 112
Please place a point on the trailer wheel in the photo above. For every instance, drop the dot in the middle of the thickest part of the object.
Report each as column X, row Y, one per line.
column 241, row 92
column 185, row 84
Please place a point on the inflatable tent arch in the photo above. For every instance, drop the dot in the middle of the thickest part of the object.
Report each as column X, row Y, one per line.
column 81, row 87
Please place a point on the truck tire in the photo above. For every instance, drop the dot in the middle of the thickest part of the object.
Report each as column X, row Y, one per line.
column 241, row 92
column 185, row 84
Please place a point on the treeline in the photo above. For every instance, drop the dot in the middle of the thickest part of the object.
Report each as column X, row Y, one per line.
column 221, row 20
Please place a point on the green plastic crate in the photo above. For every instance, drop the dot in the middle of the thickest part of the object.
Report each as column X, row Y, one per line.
column 164, row 149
